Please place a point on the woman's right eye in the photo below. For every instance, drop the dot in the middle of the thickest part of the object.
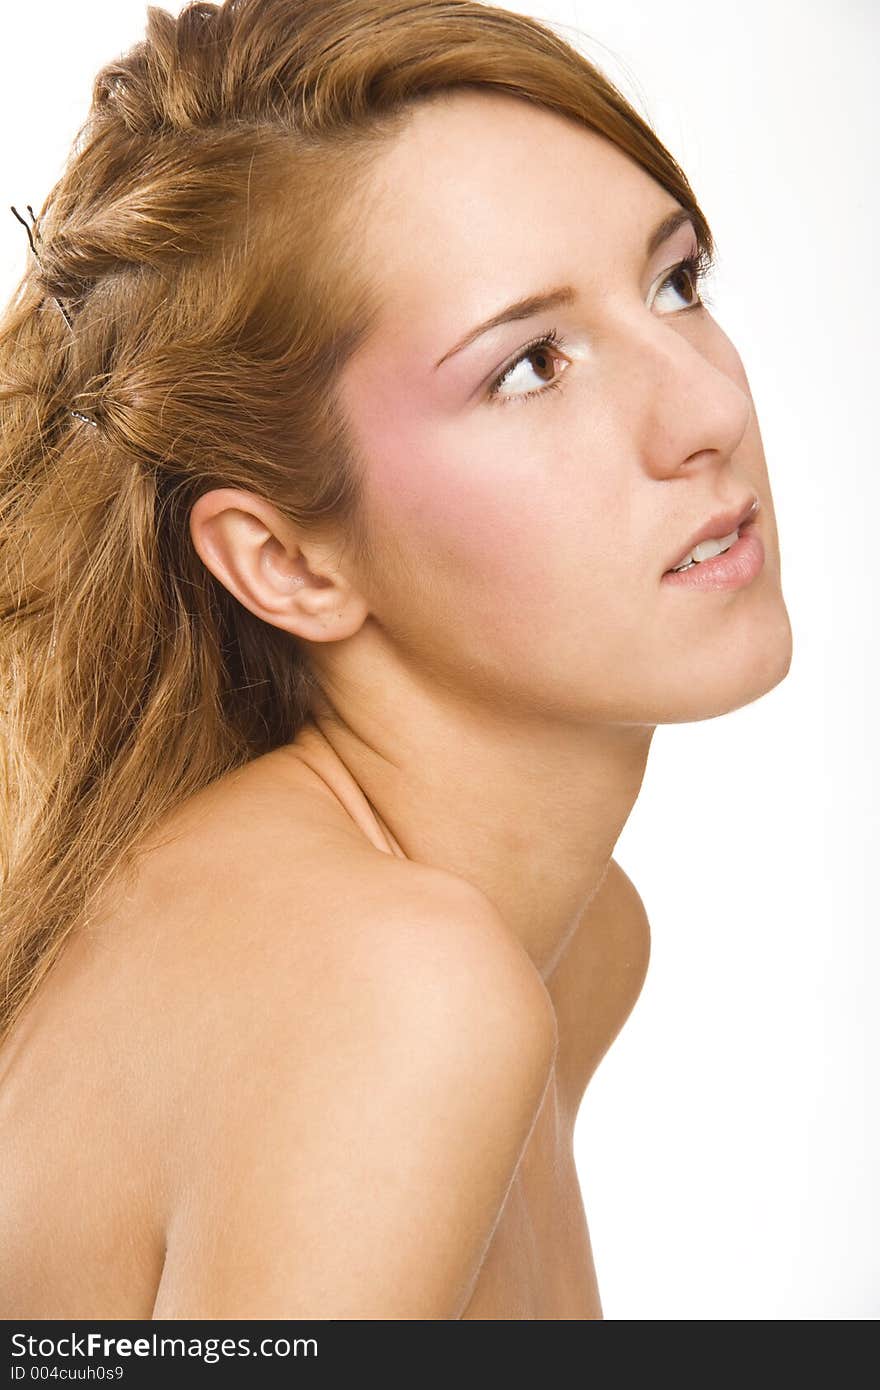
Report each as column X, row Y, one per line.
column 536, row 349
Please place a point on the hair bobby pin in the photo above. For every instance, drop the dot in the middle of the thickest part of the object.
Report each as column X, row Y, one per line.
column 67, row 319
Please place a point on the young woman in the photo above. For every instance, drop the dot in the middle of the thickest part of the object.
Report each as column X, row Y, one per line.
column 375, row 481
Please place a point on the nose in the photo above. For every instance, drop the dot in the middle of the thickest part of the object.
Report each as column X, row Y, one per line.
column 692, row 410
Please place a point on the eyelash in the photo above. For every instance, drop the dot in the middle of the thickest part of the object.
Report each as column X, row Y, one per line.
column 698, row 265
column 552, row 339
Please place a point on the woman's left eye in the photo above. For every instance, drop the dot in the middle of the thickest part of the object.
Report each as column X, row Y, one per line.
column 544, row 360
column 687, row 278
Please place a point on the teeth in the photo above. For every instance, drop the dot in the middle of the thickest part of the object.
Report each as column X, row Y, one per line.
column 706, row 550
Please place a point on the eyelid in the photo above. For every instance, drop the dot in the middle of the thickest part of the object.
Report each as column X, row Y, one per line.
column 701, row 263
column 556, row 342
column 696, row 257
column 692, row 253
column 513, row 360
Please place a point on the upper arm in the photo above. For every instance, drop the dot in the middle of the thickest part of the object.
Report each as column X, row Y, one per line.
column 361, row 1174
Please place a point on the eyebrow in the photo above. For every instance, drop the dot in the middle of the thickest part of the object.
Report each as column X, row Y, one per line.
column 563, row 294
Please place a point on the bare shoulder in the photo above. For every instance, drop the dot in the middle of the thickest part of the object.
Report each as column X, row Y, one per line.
column 619, row 896
column 358, row 1153
column 599, row 978
column 434, row 931
column 254, row 896
column 293, row 909
column 355, row 1049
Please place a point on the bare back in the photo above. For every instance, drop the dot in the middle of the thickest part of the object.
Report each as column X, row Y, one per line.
column 165, row 1024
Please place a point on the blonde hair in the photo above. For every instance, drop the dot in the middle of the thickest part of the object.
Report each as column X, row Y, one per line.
column 204, row 239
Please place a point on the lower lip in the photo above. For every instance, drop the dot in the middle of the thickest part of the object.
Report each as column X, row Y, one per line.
column 734, row 569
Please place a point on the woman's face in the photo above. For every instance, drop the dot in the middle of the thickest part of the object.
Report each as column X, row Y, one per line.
column 522, row 538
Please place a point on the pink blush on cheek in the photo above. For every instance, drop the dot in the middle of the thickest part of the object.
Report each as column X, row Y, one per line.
column 456, row 518
column 431, row 491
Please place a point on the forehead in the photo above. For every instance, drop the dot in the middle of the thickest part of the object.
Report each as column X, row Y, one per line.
column 485, row 195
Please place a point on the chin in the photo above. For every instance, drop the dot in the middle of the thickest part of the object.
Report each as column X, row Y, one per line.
column 750, row 670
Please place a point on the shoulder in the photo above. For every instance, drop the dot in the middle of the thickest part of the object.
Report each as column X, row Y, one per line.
column 354, row 1128
column 434, row 934
column 619, row 898
column 599, row 978
column 251, row 883
column 295, row 909
column 422, row 971
column 357, row 949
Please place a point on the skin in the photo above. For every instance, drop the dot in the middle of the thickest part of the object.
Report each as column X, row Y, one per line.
column 279, row 989
column 492, row 684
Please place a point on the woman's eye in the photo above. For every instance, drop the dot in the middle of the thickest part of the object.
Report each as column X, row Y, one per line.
column 537, row 360
column 685, row 279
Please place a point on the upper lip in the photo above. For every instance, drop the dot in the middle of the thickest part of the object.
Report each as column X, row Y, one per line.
column 718, row 525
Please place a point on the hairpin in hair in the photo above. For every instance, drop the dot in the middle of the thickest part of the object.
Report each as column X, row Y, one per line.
column 67, row 317
column 77, row 413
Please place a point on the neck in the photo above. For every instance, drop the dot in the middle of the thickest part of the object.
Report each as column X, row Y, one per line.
column 528, row 812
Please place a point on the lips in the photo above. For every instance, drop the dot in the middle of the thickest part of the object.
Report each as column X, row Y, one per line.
column 721, row 524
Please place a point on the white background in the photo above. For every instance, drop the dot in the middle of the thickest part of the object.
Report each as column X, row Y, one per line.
column 729, row 1144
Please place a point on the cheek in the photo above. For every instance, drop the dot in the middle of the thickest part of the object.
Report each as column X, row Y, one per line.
column 444, row 506
column 501, row 566
column 474, row 518
column 463, row 537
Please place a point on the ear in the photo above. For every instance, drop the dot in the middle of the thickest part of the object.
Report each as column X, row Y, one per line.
column 285, row 577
